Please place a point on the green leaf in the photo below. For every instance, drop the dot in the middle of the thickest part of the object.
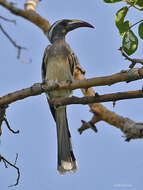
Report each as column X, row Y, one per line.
column 124, row 28
column 120, row 15
column 140, row 30
column 130, row 42
column 139, row 3
column 112, row 1
column 134, row 1
column 119, row 20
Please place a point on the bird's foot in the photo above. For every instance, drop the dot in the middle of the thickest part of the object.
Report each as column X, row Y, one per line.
column 69, row 81
column 50, row 84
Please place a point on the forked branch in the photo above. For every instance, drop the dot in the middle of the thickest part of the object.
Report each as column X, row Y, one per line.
column 6, row 163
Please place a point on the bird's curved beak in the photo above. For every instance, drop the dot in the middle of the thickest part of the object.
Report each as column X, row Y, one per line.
column 73, row 24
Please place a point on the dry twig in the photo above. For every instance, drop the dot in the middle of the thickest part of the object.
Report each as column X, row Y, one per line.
column 8, row 20
column 8, row 126
column 133, row 4
column 19, row 48
column 134, row 61
column 6, row 163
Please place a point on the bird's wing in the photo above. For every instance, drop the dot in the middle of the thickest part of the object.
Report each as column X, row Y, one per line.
column 74, row 65
column 44, row 62
column 72, row 62
column 44, row 68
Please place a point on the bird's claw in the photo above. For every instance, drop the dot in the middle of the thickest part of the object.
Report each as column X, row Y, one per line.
column 50, row 84
column 69, row 81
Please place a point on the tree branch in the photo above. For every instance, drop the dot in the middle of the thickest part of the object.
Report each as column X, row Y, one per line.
column 10, row 129
column 8, row 20
column 38, row 88
column 98, row 98
column 133, row 60
column 101, row 113
column 30, row 15
column 131, row 129
column 133, row 4
column 19, row 48
column 5, row 161
column 2, row 115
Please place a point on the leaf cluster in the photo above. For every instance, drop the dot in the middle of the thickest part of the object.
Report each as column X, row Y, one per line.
column 129, row 38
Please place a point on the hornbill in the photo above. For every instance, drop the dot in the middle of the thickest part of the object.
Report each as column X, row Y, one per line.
column 58, row 65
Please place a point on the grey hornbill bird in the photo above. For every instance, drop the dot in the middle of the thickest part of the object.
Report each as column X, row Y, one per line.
column 58, row 65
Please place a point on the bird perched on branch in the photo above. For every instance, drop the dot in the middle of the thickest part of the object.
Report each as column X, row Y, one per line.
column 58, row 65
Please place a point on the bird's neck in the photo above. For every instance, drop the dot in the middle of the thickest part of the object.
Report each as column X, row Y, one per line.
column 58, row 39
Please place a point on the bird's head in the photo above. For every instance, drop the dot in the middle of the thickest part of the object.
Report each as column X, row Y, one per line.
column 60, row 28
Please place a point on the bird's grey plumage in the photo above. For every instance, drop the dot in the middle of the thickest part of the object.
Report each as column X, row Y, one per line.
column 58, row 65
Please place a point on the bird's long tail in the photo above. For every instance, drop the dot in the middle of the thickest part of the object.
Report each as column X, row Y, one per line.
column 66, row 158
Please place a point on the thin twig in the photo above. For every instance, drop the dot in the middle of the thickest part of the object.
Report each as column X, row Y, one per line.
column 13, row 165
column 16, row 159
column 8, row 20
column 134, row 61
column 8, row 126
column 5, row 164
column 87, row 125
column 136, row 23
column 19, row 48
column 133, row 5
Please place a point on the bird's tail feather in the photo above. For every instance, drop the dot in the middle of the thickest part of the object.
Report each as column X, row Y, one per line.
column 66, row 158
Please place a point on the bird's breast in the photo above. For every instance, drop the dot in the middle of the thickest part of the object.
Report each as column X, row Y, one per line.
column 58, row 68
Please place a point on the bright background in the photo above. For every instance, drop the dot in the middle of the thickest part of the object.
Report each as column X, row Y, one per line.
column 105, row 160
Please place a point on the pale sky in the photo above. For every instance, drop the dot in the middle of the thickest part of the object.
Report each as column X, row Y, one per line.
column 105, row 160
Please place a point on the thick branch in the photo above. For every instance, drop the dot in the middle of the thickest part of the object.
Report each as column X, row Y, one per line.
column 21, row 94
column 39, row 88
column 98, row 98
column 123, row 76
column 31, row 16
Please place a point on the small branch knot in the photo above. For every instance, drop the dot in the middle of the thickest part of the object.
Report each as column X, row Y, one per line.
column 133, row 74
column 2, row 115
